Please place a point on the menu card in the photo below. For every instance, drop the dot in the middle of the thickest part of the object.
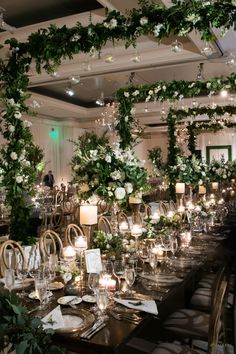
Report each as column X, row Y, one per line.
column 93, row 260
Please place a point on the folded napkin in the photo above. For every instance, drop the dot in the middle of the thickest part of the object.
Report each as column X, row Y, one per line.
column 162, row 278
column 53, row 319
column 148, row 306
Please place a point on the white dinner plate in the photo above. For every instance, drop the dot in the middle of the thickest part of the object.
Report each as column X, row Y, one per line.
column 89, row 298
column 69, row 300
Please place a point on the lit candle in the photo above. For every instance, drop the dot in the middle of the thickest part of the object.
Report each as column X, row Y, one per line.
column 136, row 230
column 221, row 201
column 215, row 186
column 69, row 253
column 88, row 214
column 155, row 216
column 202, row 190
column 198, row 208
column 123, row 227
column 232, row 193
column 180, row 188
column 81, row 243
column 232, row 180
column 107, row 282
column 158, row 250
column 181, row 209
column 185, row 238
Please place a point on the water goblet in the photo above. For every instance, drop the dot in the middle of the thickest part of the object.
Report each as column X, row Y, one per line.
column 119, row 270
column 9, row 279
column 41, row 291
column 129, row 278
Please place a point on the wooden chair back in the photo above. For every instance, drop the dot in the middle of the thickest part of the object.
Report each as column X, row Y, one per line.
column 122, row 217
column 57, row 220
column 104, row 224
column 103, row 207
column 11, row 254
column 72, row 231
column 50, row 243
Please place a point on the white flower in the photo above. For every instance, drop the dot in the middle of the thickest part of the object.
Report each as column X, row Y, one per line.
column 26, row 163
column 75, row 38
column 13, row 156
column 17, row 115
column 120, row 193
column 11, row 128
column 76, row 167
column 164, row 88
column 126, row 119
column 27, row 124
column 133, row 110
column 224, row 176
column 108, row 158
column 143, row 20
column 126, row 94
column 115, row 175
column 129, row 187
column 191, row 85
column 135, row 93
column 19, row 179
column 184, row 31
column 11, row 101
column 157, row 29
column 208, row 85
column 110, row 193
column 112, row 24
column 194, row 18
column 93, row 154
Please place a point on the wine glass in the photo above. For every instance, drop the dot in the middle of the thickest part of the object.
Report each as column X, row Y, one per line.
column 152, row 258
column 93, row 282
column 143, row 254
column 129, row 278
column 119, row 270
column 102, row 301
column 22, row 274
column 9, row 279
column 41, row 291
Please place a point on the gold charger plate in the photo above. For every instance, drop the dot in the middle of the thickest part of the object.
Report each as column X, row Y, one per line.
column 75, row 320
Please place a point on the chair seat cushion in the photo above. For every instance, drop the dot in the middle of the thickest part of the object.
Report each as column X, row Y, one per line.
column 201, row 298
column 188, row 322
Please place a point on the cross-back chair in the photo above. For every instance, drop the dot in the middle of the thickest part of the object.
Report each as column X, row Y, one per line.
column 104, row 225
column 11, row 255
column 72, row 231
column 50, row 243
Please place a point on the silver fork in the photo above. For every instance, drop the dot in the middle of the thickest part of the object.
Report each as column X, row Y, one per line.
column 91, row 329
column 126, row 317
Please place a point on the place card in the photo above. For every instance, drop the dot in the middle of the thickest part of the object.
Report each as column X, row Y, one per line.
column 93, row 260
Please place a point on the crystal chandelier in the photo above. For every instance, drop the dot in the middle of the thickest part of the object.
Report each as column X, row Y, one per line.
column 108, row 117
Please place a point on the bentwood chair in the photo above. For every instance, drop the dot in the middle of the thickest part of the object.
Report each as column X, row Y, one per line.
column 72, row 231
column 11, row 255
column 212, row 338
column 50, row 243
column 122, row 217
column 104, row 225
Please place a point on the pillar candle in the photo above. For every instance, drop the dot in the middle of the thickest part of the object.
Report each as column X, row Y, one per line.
column 180, row 188
column 202, row 190
column 215, row 186
column 88, row 214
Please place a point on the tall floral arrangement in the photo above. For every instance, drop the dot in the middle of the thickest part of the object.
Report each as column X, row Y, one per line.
column 190, row 170
column 221, row 170
column 106, row 170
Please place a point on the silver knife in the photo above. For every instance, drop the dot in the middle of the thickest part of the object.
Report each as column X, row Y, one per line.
column 91, row 329
column 102, row 325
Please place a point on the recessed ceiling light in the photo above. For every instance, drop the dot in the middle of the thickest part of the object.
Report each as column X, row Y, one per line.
column 69, row 91
column 176, row 46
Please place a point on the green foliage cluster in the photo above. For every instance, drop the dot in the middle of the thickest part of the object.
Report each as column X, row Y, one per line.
column 20, row 332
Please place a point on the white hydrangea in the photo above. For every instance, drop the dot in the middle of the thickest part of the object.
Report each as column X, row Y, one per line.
column 120, row 193
column 27, row 124
column 143, row 21
column 156, row 30
column 17, row 115
column 11, row 128
column 19, row 179
column 115, row 175
column 13, row 155
column 108, row 158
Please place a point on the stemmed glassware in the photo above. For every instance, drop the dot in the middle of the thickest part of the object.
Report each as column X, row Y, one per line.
column 129, row 278
column 152, row 258
column 41, row 291
column 22, row 274
column 102, row 301
column 93, row 282
column 9, row 279
column 119, row 270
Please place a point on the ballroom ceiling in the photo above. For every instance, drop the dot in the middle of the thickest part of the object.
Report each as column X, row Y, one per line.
column 150, row 61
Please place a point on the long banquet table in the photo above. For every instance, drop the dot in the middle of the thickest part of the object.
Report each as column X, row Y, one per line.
column 116, row 332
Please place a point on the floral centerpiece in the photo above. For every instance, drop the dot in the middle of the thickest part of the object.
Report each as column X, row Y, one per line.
column 190, row 170
column 68, row 270
column 109, row 244
column 221, row 170
column 106, row 170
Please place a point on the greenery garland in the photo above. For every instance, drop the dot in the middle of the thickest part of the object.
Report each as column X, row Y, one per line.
column 51, row 45
column 21, row 332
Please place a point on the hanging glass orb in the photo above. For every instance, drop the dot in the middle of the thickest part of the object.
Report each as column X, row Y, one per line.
column 176, row 46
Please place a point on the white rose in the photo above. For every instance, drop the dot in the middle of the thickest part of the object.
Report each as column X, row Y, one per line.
column 11, row 128
column 143, row 21
column 26, row 163
column 27, row 124
column 120, row 193
column 115, row 175
column 108, row 158
column 17, row 115
column 19, row 179
column 113, row 23
column 126, row 94
column 13, row 156
column 129, row 188
column 126, row 119
column 11, row 101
